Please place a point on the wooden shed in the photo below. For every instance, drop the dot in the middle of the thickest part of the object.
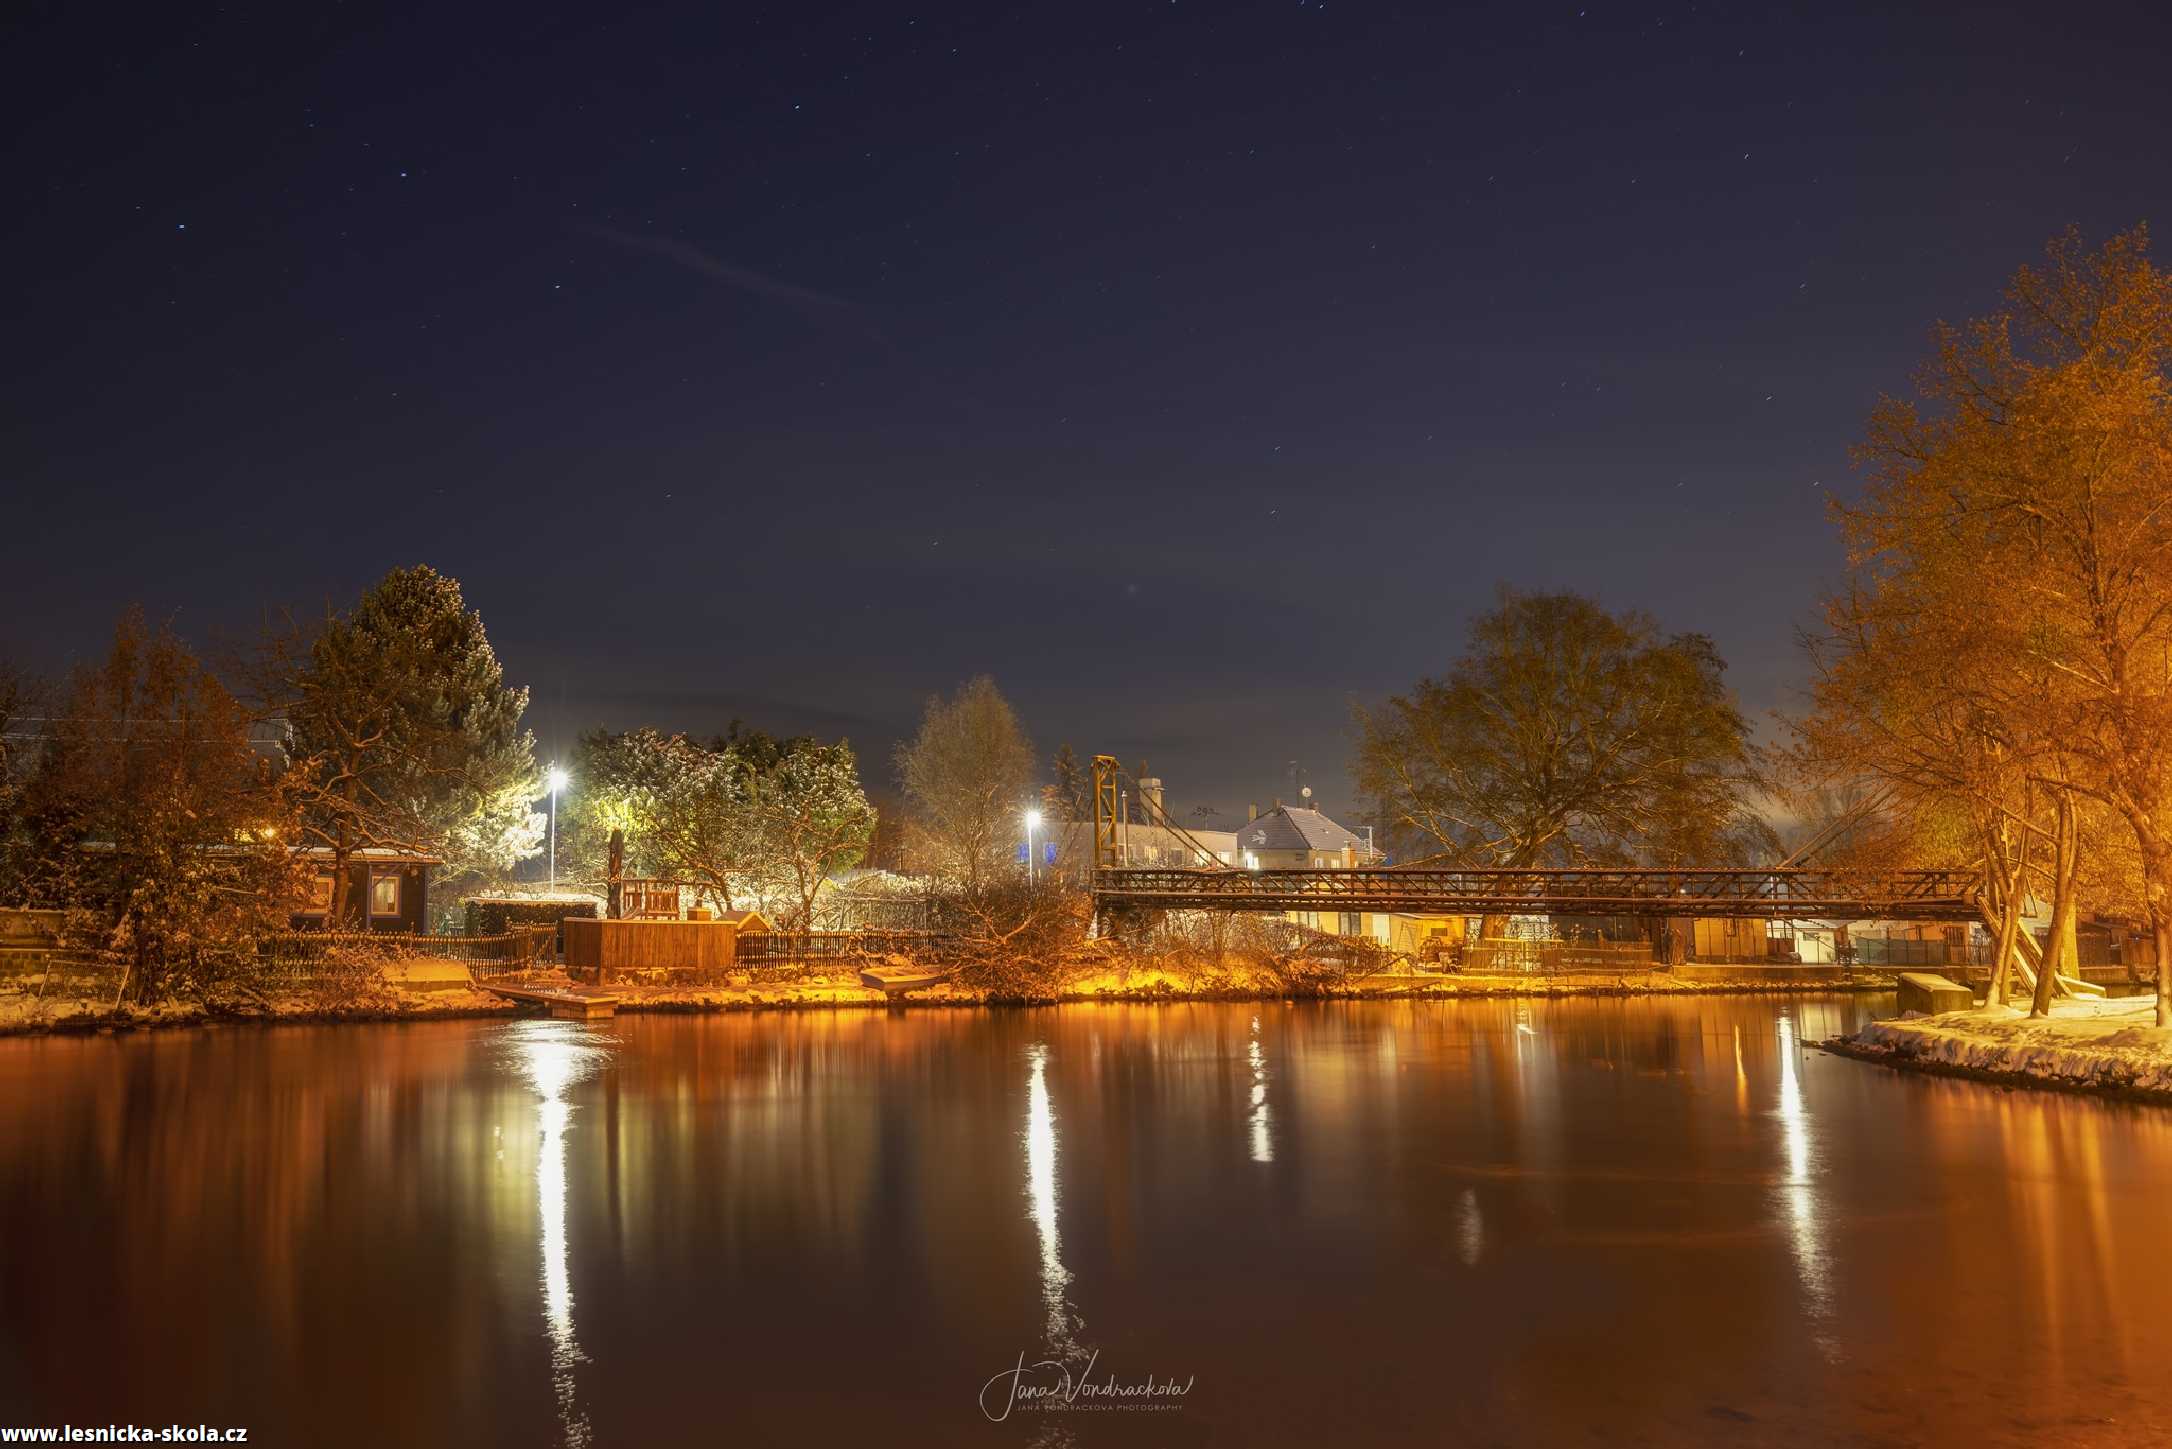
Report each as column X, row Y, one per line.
column 606, row 951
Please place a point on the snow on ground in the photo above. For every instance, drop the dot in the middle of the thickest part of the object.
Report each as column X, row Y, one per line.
column 2110, row 1043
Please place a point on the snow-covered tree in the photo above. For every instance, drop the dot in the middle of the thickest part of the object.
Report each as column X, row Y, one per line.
column 404, row 733
column 811, row 819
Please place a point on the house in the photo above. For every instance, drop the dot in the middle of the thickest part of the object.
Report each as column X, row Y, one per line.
column 387, row 891
column 1299, row 838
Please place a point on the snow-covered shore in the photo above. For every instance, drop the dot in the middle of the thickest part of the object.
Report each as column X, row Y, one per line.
column 76, row 1007
column 2104, row 1045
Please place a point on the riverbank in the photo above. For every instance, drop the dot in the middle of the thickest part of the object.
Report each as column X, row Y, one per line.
column 24, row 1013
column 2113, row 1047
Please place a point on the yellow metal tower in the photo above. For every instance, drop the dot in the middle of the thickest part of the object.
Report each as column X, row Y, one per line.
column 1105, row 811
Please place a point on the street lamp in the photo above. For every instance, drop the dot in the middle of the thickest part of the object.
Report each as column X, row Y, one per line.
column 557, row 781
column 1033, row 823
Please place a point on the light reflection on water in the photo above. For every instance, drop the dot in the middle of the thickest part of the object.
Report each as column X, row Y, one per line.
column 1263, row 1143
column 1802, row 1206
column 553, row 1056
column 1041, row 1195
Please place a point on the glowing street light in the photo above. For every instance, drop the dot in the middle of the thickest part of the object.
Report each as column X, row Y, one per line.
column 557, row 779
column 1033, row 823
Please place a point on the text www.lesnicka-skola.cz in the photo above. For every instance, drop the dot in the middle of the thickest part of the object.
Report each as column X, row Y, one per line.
column 125, row 1434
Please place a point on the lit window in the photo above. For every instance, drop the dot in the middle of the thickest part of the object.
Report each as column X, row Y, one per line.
column 320, row 895
column 385, row 894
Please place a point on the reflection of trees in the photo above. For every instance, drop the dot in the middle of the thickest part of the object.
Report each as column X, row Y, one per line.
column 1663, row 1196
column 272, row 1182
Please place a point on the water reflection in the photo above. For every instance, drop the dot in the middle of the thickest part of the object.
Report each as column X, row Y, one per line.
column 1263, row 1146
column 1470, row 1229
column 1802, row 1207
column 1858, row 1257
column 1742, row 1077
column 1041, row 1196
column 553, row 1055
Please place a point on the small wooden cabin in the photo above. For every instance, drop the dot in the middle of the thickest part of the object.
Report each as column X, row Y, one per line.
column 387, row 891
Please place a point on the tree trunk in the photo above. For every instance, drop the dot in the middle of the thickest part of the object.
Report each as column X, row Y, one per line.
column 2002, row 955
column 2157, row 891
column 614, row 876
column 2060, row 955
column 335, row 912
column 2012, row 880
column 2161, row 929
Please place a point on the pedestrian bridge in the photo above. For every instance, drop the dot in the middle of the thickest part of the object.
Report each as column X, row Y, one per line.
column 1781, row 893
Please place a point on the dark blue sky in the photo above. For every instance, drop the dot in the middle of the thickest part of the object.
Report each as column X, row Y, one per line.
column 1190, row 368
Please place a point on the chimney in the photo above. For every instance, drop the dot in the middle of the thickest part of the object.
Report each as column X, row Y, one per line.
column 1251, row 812
column 1150, row 798
column 1278, row 802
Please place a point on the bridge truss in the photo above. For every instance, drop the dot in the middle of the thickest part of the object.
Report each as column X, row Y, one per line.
column 1780, row 893
column 1784, row 892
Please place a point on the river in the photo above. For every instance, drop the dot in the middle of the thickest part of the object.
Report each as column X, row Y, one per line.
column 1548, row 1222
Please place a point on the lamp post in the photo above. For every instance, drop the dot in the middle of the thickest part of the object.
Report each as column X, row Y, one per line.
column 1033, row 823
column 557, row 779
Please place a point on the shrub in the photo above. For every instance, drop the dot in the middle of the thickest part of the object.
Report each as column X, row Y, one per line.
column 493, row 915
column 352, row 978
column 1017, row 941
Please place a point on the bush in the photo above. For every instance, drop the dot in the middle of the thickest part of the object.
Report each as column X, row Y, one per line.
column 1238, row 951
column 352, row 978
column 1017, row 941
column 493, row 915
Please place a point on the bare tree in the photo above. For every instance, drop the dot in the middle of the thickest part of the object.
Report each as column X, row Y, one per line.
column 164, row 827
column 968, row 778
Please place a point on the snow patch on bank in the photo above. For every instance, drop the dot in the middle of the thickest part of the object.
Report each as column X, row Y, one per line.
column 2112, row 1044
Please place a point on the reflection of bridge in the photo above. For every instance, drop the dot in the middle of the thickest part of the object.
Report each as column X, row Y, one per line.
column 1777, row 893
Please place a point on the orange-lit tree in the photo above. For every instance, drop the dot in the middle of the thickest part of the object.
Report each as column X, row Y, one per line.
column 165, row 829
column 1566, row 735
column 2013, row 552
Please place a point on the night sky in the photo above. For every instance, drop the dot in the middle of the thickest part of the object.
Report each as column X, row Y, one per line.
column 1192, row 369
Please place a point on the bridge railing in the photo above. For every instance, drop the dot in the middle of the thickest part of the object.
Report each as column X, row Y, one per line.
column 1803, row 892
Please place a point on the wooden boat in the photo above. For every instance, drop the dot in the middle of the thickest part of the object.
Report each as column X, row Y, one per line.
column 896, row 980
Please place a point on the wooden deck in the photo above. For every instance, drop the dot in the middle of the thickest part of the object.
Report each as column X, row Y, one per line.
column 895, row 981
column 571, row 1005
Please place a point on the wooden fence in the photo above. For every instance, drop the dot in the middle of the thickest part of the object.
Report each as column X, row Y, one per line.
column 298, row 953
column 776, row 948
column 1509, row 957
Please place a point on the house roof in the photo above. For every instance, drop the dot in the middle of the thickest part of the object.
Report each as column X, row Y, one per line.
column 373, row 853
column 1287, row 828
